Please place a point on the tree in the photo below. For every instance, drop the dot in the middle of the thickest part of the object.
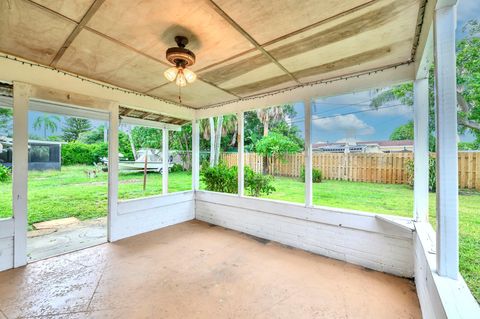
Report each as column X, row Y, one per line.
column 95, row 136
column 403, row 132
column 271, row 114
column 146, row 137
column 276, row 145
column 468, row 86
column 47, row 122
column 274, row 119
column 214, row 129
column 5, row 121
column 74, row 127
column 182, row 141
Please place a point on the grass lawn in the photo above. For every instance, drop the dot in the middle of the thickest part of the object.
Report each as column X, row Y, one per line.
column 66, row 193
column 70, row 193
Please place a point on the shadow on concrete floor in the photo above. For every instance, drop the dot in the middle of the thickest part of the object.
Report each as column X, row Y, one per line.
column 60, row 236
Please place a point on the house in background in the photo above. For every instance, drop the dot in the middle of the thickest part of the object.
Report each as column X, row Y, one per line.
column 401, row 146
column 42, row 155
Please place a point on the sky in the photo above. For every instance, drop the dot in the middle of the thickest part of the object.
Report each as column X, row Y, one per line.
column 350, row 118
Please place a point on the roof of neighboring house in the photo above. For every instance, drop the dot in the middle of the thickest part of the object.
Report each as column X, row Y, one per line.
column 379, row 143
column 389, row 143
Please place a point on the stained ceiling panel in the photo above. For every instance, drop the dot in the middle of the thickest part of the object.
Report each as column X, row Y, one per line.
column 151, row 25
column 269, row 20
column 97, row 57
column 73, row 9
column 331, row 49
column 31, row 32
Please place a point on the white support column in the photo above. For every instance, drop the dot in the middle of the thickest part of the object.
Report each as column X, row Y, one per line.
column 112, row 169
column 165, row 161
column 21, row 95
column 240, row 153
column 195, row 155
column 308, row 154
column 421, row 154
column 447, row 154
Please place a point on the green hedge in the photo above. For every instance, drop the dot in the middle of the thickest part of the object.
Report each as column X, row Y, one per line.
column 79, row 153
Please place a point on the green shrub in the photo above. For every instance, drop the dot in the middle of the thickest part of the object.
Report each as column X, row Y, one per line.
column 257, row 184
column 317, row 175
column 220, row 178
column 74, row 153
column 223, row 179
column 5, row 174
column 99, row 150
column 176, row 168
column 432, row 173
column 78, row 153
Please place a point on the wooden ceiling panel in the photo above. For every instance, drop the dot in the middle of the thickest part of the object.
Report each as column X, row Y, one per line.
column 97, row 57
column 269, row 19
column 387, row 17
column 31, row 32
column 368, row 60
column 250, row 67
column 334, row 48
column 195, row 95
column 396, row 33
column 73, row 9
column 150, row 26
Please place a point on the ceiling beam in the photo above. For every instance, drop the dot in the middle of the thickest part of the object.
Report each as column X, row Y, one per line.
column 128, row 111
column 329, row 87
column 237, row 27
column 144, row 116
column 88, row 15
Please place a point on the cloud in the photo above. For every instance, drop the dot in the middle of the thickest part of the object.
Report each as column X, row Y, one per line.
column 348, row 124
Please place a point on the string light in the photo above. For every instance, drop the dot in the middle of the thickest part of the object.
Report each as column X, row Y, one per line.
column 248, row 98
column 7, row 57
column 310, row 84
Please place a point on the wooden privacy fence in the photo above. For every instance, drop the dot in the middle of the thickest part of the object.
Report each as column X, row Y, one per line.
column 388, row 168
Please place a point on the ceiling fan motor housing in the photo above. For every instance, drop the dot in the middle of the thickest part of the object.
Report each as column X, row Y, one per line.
column 180, row 56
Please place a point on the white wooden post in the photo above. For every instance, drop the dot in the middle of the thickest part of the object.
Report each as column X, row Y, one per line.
column 447, row 157
column 112, row 170
column 240, row 153
column 308, row 154
column 21, row 95
column 195, row 155
column 165, row 162
column 421, row 154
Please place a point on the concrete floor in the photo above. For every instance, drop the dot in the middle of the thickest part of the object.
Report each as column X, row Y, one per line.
column 65, row 235
column 194, row 270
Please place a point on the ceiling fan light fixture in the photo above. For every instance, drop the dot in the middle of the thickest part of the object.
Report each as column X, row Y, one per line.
column 190, row 76
column 171, row 74
column 181, row 58
column 181, row 80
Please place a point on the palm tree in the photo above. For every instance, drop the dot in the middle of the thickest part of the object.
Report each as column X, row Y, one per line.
column 226, row 124
column 268, row 115
column 47, row 122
